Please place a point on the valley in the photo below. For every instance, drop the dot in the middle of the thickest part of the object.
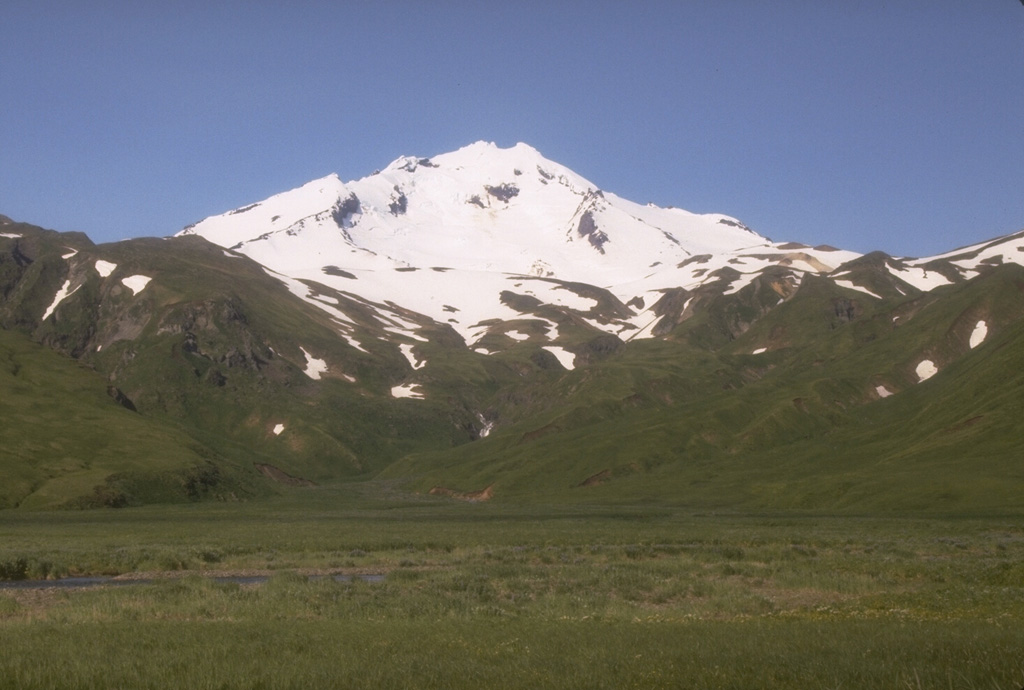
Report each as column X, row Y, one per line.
column 471, row 594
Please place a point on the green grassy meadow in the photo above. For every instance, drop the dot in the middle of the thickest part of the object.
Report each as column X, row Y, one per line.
column 492, row 595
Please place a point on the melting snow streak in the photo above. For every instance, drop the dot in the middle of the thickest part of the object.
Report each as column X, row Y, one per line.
column 62, row 294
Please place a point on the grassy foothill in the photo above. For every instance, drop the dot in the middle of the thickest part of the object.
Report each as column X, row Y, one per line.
column 505, row 597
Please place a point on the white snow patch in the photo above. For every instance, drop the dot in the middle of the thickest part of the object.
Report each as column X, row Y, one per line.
column 232, row 255
column 61, row 295
column 104, row 268
column 565, row 358
column 759, row 350
column 925, row 370
column 849, row 284
column 350, row 379
column 71, row 253
column 978, row 334
column 517, row 335
column 552, row 333
column 483, row 351
column 411, row 356
column 314, row 367
column 278, row 428
column 9, row 235
column 882, row 391
column 136, row 283
column 407, row 390
column 407, row 334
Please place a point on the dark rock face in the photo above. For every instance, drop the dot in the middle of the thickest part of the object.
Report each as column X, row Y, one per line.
column 588, row 229
column 345, row 208
column 399, row 202
column 335, row 271
column 214, row 378
column 503, row 192
column 845, row 310
column 120, row 398
column 243, row 209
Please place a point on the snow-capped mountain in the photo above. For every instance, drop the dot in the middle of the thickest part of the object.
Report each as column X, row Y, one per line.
column 489, row 319
column 448, row 236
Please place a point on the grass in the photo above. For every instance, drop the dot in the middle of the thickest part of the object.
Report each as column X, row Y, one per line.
column 494, row 596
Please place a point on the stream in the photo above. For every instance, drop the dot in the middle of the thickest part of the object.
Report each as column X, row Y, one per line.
column 101, row 581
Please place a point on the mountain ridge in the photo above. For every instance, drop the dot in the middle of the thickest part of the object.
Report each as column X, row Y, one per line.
column 696, row 362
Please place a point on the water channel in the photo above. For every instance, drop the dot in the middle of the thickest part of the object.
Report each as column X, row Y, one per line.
column 101, row 581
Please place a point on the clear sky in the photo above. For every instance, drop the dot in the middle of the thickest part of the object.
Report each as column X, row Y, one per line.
column 875, row 124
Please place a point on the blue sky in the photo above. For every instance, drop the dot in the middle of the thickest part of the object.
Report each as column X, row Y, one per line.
column 867, row 125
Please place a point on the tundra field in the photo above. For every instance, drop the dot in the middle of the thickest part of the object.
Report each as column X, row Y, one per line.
column 495, row 596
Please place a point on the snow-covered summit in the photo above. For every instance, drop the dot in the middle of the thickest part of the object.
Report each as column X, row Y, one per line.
column 445, row 235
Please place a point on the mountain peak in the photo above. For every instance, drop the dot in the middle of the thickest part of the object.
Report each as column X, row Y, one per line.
column 489, row 215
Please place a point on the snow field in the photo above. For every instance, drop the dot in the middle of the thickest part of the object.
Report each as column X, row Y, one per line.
column 919, row 277
column 455, row 214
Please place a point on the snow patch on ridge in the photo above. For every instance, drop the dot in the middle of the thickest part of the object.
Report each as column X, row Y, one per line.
column 882, row 391
column 136, row 283
column 104, row 268
column 10, row 235
column 850, row 285
column 278, row 428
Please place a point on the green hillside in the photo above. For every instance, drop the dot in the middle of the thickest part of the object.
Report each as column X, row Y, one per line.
column 200, row 385
column 802, row 426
